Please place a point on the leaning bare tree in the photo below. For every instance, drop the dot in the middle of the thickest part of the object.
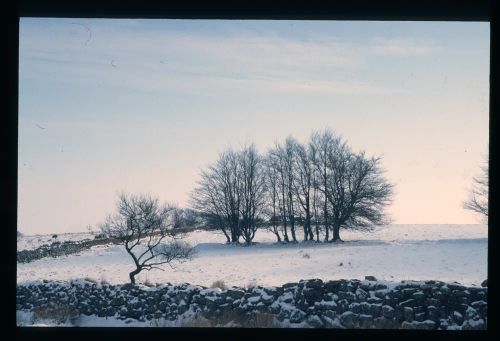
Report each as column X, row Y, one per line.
column 478, row 196
column 142, row 224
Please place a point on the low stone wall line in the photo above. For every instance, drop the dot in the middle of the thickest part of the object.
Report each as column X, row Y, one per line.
column 308, row 303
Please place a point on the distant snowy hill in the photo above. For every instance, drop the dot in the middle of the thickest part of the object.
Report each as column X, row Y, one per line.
column 32, row 242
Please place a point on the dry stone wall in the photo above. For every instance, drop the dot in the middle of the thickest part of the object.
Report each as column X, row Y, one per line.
column 309, row 303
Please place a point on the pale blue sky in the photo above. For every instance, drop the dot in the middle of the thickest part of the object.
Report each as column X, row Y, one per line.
column 141, row 105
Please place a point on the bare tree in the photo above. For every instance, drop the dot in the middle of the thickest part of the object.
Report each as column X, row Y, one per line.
column 355, row 188
column 217, row 195
column 288, row 159
column 352, row 187
column 276, row 170
column 142, row 224
column 321, row 144
column 231, row 193
column 252, row 191
column 272, row 196
column 366, row 194
column 281, row 160
column 478, row 196
column 315, row 205
column 303, row 182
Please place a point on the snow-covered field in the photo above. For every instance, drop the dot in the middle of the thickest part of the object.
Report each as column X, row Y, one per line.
column 392, row 253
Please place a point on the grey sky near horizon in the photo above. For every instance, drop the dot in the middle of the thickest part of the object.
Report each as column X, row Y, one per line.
column 141, row 105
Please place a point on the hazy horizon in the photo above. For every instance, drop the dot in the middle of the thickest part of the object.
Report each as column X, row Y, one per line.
column 110, row 105
column 84, row 230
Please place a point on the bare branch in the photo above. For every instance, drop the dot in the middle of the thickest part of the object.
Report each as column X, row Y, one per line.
column 478, row 197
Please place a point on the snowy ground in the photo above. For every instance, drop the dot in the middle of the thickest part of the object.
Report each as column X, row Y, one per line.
column 393, row 253
column 25, row 318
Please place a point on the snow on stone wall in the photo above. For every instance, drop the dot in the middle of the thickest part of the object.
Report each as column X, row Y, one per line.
column 309, row 303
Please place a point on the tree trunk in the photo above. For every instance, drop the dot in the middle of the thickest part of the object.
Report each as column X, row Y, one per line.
column 225, row 234
column 336, row 233
column 133, row 274
column 292, row 229
column 307, row 228
column 234, row 236
column 315, row 207
column 279, row 238
column 308, row 235
column 325, row 213
column 292, row 220
column 285, row 236
column 276, row 232
column 275, row 228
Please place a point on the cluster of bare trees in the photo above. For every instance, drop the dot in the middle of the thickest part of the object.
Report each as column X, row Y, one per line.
column 316, row 188
column 319, row 188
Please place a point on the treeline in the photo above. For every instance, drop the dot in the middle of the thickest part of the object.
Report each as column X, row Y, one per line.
column 297, row 190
